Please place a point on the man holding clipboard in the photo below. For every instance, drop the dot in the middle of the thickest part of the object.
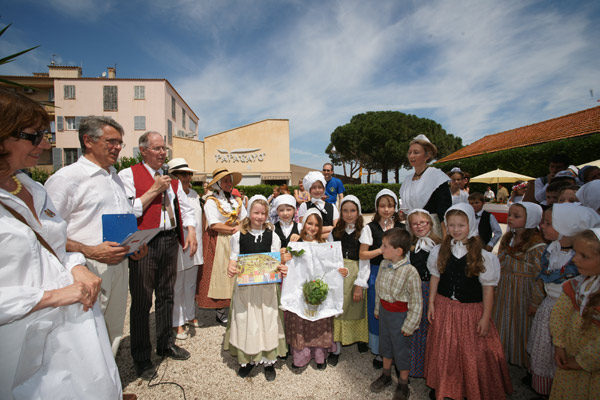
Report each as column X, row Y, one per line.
column 84, row 191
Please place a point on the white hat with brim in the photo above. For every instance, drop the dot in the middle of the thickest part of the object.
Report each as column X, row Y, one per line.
column 221, row 173
column 179, row 165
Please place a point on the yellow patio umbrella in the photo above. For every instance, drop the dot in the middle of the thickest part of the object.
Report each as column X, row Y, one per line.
column 500, row 176
column 594, row 163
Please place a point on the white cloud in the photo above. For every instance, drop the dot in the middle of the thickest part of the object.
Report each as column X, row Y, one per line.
column 477, row 67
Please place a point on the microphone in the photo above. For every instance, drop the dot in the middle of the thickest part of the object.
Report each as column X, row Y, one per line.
column 165, row 169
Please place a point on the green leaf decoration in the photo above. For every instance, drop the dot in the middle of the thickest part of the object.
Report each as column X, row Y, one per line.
column 295, row 253
column 315, row 291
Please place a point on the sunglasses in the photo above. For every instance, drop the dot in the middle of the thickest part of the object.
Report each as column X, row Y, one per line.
column 34, row 138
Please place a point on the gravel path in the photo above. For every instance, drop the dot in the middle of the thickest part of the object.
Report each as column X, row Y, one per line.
column 210, row 373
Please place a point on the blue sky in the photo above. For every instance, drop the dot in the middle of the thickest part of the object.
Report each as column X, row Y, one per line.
column 475, row 66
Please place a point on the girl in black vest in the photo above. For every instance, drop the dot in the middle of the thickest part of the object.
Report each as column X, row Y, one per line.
column 419, row 224
column 464, row 355
column 386, row 217
column 255, row 333
column 351, row 327
column 315, row 183
column 286, row 228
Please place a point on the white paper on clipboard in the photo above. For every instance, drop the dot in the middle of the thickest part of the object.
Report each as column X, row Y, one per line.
column 138, row 238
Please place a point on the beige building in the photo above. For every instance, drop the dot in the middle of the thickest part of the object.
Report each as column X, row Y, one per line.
column 138, row 105
column 260, row 150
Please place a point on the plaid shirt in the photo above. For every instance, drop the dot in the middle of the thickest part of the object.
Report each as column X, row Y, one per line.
column 400, row 281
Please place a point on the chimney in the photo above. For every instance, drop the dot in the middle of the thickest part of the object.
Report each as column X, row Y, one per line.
column 112, row 72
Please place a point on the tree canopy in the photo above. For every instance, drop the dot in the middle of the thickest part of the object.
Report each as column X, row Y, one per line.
column 378, row 140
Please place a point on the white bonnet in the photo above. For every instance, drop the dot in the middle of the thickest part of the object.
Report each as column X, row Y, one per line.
column 387, row 192
column 534, row 214
column 353, row 199
column 284, row 199
column 311, row 178
column 257, row 197
column 568, row 219
column 470, row 213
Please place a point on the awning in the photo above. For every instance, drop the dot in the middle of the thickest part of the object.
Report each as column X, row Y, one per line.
column 276, row 176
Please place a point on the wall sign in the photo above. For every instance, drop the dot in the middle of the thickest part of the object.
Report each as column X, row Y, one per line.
column 239, row 155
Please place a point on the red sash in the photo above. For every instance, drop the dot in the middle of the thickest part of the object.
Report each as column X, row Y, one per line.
column 397, row 306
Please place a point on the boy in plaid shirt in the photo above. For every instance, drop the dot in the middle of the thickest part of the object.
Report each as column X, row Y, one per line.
column 398, row 307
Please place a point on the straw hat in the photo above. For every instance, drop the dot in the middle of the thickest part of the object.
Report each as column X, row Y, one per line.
column 179, row 165
column 222, row 172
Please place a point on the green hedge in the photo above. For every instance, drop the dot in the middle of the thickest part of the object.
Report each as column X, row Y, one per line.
column 530, row 160
column 365, row 192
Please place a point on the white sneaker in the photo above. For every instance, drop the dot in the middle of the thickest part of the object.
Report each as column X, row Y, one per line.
column 181, row 336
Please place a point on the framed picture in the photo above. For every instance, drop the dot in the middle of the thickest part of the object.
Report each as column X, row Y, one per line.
column 258, row 268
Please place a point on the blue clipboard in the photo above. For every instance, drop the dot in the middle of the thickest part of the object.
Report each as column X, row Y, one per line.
column 117, row 227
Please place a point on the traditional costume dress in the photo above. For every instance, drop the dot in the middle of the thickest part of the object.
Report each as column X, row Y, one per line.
column 255, row 333
column 418, row 258
column 285, row 230
column 214, row 287
column 55, row 352
column 460, row 363
column 352, row 326
column 309, row 339
column 371, row 235
column 568, row 219
column 430, row 192
column 517, row 290
column 329, row 213
column 580, row 340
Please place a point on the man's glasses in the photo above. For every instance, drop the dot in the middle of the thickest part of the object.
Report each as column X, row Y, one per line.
column 114, row 143
column 34, row 138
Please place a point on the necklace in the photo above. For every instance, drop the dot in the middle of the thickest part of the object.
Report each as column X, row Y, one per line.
column 418, row 176
column 19, row 186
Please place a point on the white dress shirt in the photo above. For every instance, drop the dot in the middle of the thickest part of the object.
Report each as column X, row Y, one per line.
column 187, row 212
column 320, row 205
column 82, row 192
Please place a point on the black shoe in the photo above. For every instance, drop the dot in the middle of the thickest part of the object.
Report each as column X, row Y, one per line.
column 377, row 364
column 322, row 367
column 362, row 347
column 244, row 371
column 222, row 316
column 526, row 380
column 332, row 359
column 297, row 370
column 402, row 392
column 432, row 394
column 270, row 373
column 145, row 370
column 175, row 352
column 381, row 383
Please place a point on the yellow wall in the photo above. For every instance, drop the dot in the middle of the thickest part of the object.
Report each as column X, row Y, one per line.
column 261, row 147
column 190, row 149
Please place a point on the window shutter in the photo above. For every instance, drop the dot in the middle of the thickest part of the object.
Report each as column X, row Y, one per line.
column 110, row 98
column 79, row 153
column 136, row 152
column 57, row 158
column 59, row 123
column 139, row 122
column 77, row 122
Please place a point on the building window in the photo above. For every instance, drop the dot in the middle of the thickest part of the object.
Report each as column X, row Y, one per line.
column 59, row 123
column 70, row 156
column 139, row 92
column 110, row 98
column 51, row 94
column 192, row 125
column 69, row 92
column 181, row 133
column 139, row 123
column 173, row 113
column 183, row 117
column 72, row 123
column 169, row 132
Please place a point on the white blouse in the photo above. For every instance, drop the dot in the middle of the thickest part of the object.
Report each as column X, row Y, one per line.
column 489, row 277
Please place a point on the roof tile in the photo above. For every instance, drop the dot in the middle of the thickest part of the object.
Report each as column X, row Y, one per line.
column 577, row 124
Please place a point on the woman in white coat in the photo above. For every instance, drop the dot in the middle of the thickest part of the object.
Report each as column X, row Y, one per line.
column 53, row 338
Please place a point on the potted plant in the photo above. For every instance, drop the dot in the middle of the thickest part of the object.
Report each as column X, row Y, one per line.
column 315, row 292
